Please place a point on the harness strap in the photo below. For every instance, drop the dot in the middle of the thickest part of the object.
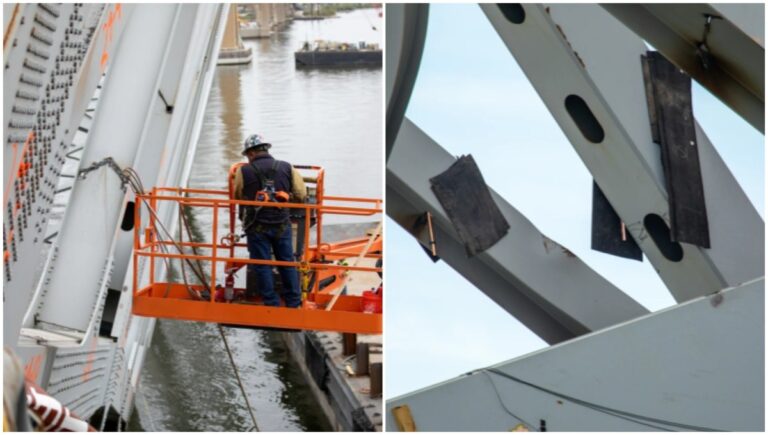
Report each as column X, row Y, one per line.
column 270, row 175
column 256, row 210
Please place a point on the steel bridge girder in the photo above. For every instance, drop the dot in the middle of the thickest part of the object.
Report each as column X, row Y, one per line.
column 529, row 275
column 600, row 63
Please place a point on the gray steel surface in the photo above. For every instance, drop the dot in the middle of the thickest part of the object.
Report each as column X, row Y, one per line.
column 538, row 281
column 77, row 366
column 694, row 366
column 205, row 24
column 48, row 78
column 735, row 44
column 600, row 63
column 406, row 33
column 131, row 138
column 76, row 284
column 182, row 144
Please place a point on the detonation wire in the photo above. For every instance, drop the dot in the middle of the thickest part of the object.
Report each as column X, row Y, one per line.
column 504, row 405
column 625, row 415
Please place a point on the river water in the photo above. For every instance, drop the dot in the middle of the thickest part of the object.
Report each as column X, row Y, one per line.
column 327, row 117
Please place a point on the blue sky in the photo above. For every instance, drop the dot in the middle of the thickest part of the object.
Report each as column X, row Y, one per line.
column 471, row 97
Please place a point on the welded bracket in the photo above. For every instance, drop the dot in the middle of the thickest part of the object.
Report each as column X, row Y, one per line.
column 424, row 223
column 609, row 233
column 670, row 109
column 721, row 45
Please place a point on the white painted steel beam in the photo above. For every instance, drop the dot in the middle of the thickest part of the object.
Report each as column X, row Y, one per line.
column 185, row 84
column 735, row 73
column 190, row 95
column 190, row 99
column 53, row 64
column 582, row 50
column 535, row 279
column 131, row 126
column 694, row 366
column 84, row 370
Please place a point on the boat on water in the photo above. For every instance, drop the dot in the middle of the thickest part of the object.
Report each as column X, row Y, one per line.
column 329, row 53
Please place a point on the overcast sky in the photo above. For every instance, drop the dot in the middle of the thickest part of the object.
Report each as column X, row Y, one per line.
column 471, row 97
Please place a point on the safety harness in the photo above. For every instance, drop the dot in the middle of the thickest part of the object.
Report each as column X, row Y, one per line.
column 266, row 194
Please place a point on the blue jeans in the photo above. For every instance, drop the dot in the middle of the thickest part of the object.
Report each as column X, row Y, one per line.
column 260, row 246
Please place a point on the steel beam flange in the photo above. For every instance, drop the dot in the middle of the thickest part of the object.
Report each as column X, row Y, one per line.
column 406, row 32
column 654, row 373
column 540, row 282
column 720, row 50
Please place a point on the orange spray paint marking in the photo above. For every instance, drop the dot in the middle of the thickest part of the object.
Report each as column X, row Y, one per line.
column 32, row 369
column 89, row 362
column 23, row 168
column 10, row 179
column 30, row 137
column 7, row 192
column 103, row 62
column 108, row 28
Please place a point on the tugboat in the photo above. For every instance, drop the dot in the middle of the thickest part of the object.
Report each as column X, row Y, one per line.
column 325, row 53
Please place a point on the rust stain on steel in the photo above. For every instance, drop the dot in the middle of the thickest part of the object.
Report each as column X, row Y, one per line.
column 551, row 244
column 565, row 38
column 11, row 26
column 716, row 300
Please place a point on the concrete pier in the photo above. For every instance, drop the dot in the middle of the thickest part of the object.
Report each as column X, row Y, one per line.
column 268, row 17
column 232, row 50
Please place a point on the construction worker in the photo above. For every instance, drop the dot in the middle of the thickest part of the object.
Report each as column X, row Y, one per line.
column 268, row 229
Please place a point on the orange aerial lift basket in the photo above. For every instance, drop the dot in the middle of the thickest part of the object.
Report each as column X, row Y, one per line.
column 324, row 268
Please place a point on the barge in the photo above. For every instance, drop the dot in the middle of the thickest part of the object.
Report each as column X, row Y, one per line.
column 323, row 53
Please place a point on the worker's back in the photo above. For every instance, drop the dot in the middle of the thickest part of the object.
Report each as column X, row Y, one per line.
column 270, row 168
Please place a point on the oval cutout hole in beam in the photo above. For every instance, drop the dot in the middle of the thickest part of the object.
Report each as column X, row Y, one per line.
column 513, row 12
column 659, row 232
column 127, row 224
column 584, row 119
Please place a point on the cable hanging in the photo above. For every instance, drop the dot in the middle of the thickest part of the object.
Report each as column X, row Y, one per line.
column 128, row 176
column 635, row 418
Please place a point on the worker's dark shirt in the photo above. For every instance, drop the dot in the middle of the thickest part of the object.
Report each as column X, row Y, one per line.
column 284, row 181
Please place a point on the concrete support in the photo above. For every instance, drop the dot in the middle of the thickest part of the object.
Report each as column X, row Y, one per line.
column 262, row 26
column 268, row 17
column 232, row 50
